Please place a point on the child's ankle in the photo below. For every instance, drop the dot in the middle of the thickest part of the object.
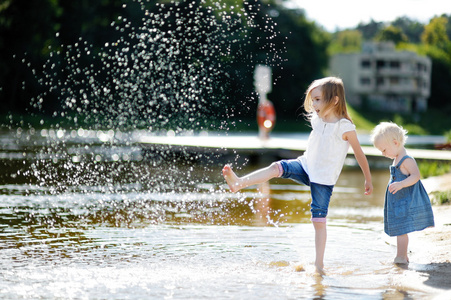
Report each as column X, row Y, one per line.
column 401, row 260
column 320, row 270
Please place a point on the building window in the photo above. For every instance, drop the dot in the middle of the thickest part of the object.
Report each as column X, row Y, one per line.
column 394, row 64
column 366, row 64
column 421, row 67
column 365, row 81
column 380, row 64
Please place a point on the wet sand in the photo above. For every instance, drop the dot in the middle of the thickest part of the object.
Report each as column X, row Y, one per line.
column 430, row 249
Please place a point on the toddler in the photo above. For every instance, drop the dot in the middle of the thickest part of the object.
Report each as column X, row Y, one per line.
column 407, row 206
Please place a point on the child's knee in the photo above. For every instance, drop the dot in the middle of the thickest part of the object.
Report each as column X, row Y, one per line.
column 318, row 221
column 277, row 169
column 319, row 226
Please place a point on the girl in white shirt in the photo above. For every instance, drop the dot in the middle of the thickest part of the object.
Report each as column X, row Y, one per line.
column 322, row 162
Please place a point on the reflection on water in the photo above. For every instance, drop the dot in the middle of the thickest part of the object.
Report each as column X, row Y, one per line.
column 84, row 218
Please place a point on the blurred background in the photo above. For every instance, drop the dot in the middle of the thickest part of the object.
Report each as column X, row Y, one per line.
column 162, row 64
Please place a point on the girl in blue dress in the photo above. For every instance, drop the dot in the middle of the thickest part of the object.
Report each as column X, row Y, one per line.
column 407, row 206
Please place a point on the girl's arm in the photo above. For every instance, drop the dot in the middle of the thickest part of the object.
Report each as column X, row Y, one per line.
column 351, row 137
column 410, row 168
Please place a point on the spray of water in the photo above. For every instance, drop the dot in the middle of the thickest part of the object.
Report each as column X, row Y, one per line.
column 176, row 66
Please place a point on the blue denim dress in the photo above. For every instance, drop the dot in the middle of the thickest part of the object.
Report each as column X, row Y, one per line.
column 409, row 209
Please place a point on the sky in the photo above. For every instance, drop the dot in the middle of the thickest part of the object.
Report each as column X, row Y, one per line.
column 342, row 14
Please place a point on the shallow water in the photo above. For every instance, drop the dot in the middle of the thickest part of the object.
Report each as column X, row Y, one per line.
column 90, row 215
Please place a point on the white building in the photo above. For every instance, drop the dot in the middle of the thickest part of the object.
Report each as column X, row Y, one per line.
column 382, row 78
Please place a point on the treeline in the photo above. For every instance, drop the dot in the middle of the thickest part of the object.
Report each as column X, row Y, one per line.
column 148, row 63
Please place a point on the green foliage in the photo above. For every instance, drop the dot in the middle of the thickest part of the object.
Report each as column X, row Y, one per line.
column 412, row 128
column 391, row 34
column 361, row 122
column 30, row 30
column 441, row 197
column 435, row 33
column 434, row 121
column 370, row 30
column 304, row 60
column 263, row 32
column 27, row 30
column 448, row 135
column 411, row 28
column 346, row 41
column 433, row 168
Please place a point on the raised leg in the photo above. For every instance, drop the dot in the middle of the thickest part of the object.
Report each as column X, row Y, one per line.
column 262, row 175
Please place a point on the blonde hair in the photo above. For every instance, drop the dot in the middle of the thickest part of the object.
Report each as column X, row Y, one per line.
column 389, row 131
column 331, row 87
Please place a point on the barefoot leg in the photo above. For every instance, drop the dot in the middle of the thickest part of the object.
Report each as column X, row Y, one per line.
column 232, row 180
column 320, row 245
column 402, row 245
column 237, row 183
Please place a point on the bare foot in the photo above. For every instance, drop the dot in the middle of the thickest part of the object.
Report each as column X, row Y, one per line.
column 401, row 260
column 231, row 178
column 320, row 270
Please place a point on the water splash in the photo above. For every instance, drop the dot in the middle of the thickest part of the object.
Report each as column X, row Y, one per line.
column 175, row 65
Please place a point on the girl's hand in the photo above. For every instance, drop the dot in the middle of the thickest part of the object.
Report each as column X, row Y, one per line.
column 368, row 188
column 394, row 187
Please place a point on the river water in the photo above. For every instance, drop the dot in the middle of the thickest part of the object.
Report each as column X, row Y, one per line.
column 89, row 215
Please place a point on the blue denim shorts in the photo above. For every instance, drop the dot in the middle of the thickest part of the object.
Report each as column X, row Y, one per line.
column 321, row 193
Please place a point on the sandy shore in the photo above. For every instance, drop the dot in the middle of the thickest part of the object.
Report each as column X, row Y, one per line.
column 430, row 249
column 438, row 183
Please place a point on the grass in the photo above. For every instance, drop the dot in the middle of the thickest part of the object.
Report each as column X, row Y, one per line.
column 431, row 122
column 441, row 197
column 433, row 168
column 362, row 123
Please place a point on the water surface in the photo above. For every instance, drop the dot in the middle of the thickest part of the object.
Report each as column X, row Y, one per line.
column 90, row 215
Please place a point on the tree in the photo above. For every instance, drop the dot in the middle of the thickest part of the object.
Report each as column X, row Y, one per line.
column 370, row 30
column 27, row 32
column 305, row 59
column 435, row 33
column 412, row 29
column 86, row 55
column 440, row 78
column 391, row 34
column 448, row 25
column 346, row 41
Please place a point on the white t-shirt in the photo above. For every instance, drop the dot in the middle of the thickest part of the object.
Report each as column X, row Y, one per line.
column 326, row 150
